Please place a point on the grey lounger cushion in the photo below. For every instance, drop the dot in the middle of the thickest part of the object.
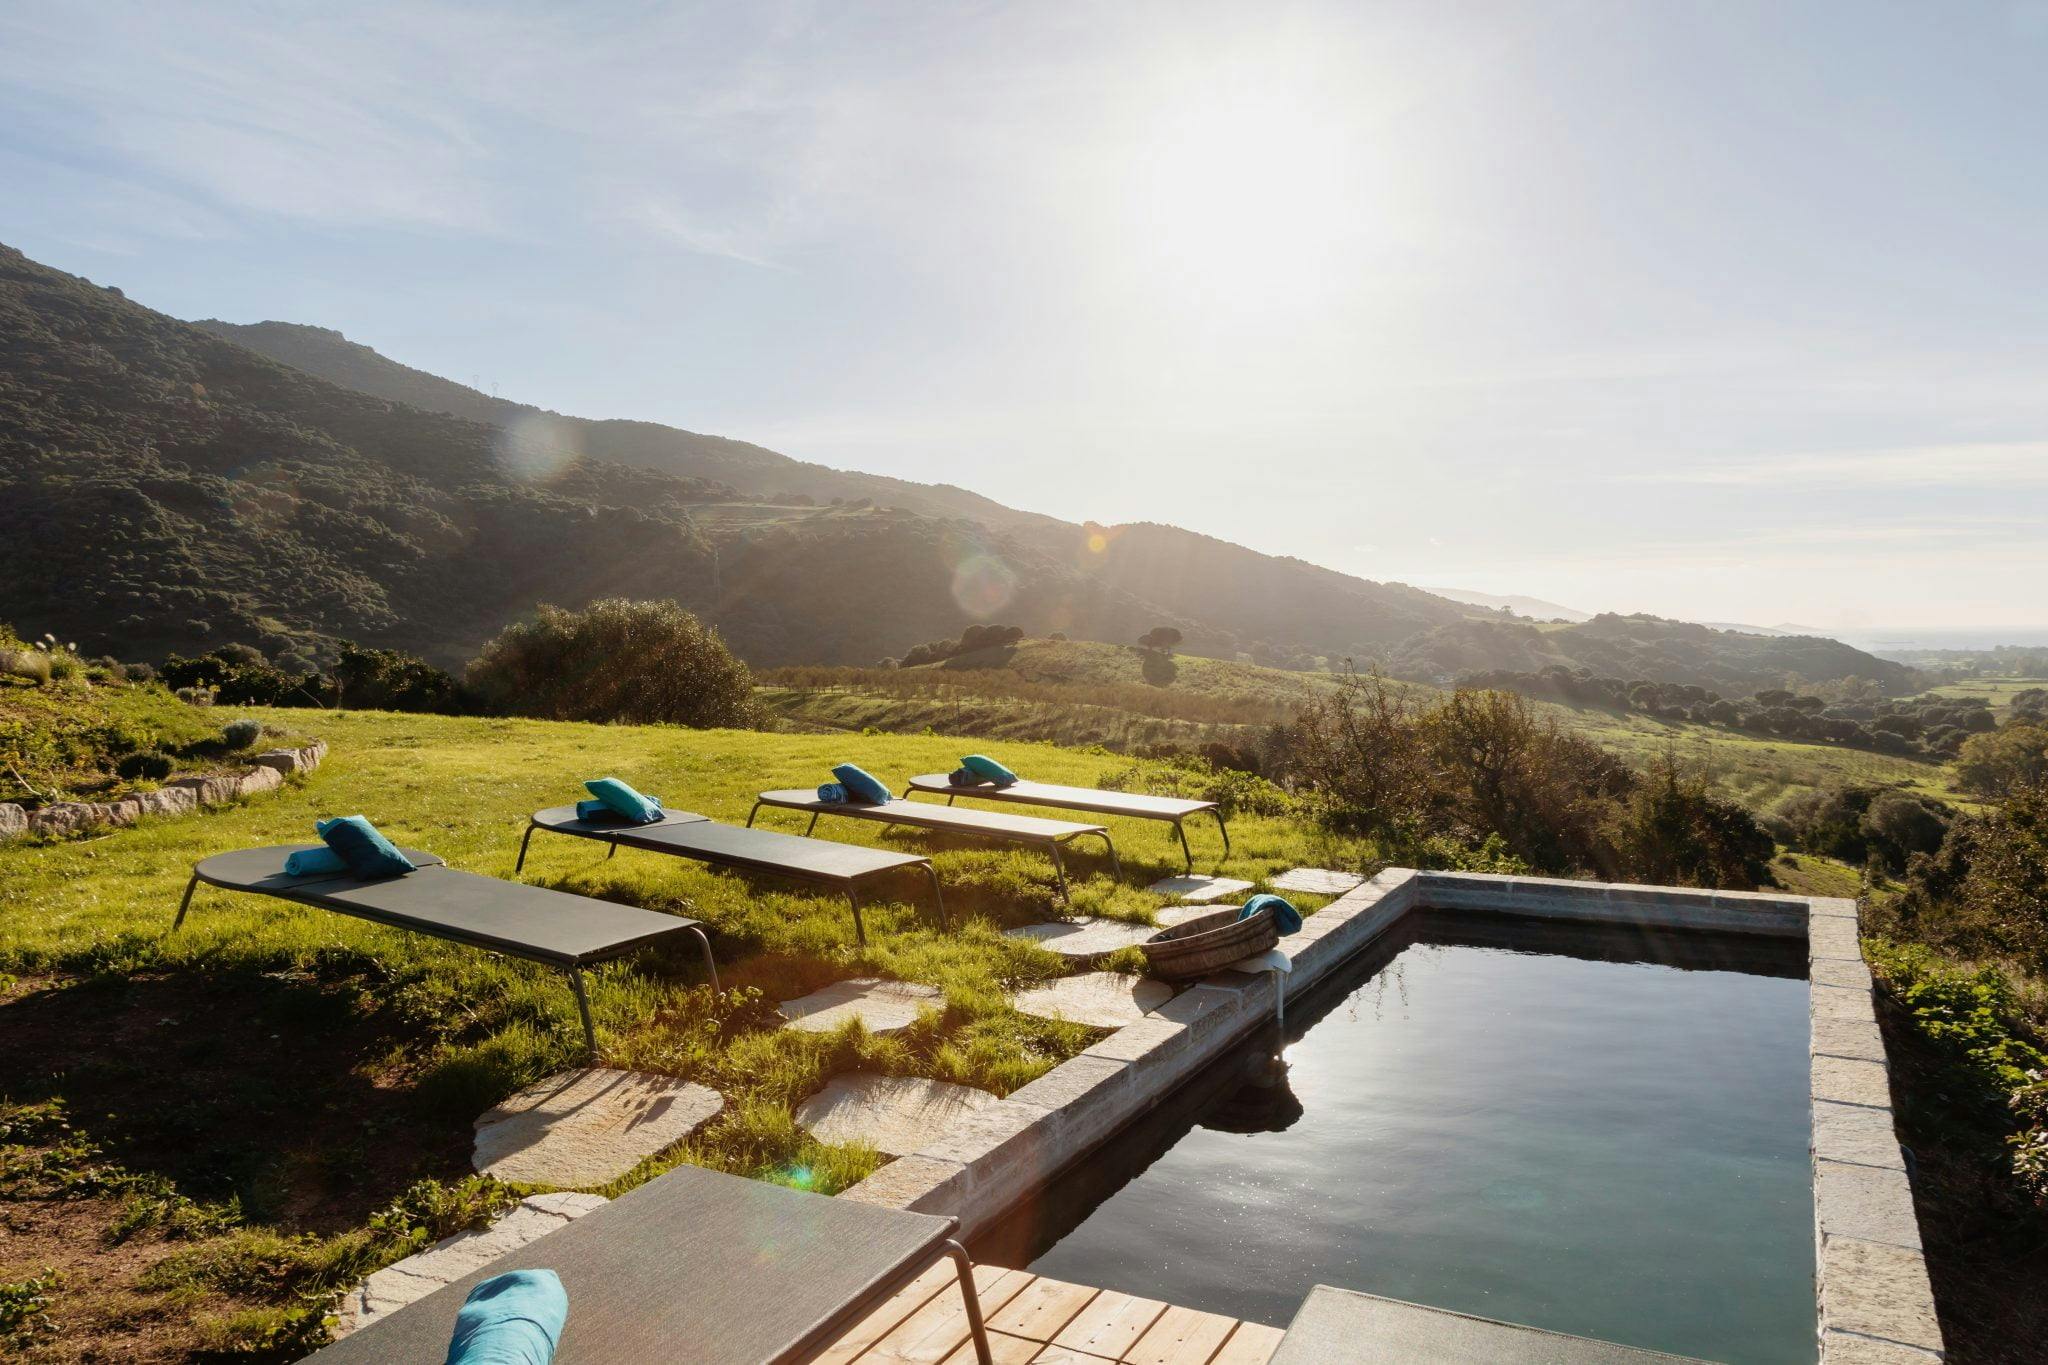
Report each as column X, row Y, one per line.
column 1095, row 801
column 763, row 850
column 924, row 815
column 509, row 917
column 693, row 1266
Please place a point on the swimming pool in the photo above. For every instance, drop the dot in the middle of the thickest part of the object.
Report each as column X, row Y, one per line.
column 1601, row 1131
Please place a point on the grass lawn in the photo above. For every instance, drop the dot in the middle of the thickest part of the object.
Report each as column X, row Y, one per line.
column 206, row 1136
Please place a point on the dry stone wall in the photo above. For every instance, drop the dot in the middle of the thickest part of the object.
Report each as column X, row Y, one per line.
column 179, row 796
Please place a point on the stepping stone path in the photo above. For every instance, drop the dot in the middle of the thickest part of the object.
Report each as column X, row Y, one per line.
column 1195, row 888
column 1100, row 999
column 1317, row 881
column 588, row 1127
column 895, row 1114
column 1181, row 914
column 446, row 1261
column 1085, row 939
column 883, row 1006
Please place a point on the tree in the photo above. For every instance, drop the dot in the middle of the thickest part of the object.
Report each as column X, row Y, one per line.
column 616, row 660
column 1994, row 765
column 1161, row 638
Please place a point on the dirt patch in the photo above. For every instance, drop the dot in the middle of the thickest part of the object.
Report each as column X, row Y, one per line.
column 97, row 1310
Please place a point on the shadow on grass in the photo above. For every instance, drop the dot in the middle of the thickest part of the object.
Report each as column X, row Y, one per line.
column 268, row 1089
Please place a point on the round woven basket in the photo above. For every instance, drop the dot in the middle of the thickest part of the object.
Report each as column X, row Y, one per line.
column 1209, row 943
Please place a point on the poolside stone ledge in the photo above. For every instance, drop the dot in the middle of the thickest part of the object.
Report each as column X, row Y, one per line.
column 1875, row 1305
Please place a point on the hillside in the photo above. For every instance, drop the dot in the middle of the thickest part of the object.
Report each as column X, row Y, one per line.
column 1642, row 647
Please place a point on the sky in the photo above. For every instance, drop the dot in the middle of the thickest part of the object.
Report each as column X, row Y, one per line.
column 1730, row 311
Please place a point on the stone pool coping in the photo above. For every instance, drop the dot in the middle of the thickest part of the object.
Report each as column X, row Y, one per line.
column 1875, row 1303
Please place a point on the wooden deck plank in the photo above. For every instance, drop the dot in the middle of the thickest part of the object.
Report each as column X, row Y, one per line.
column 1066, row 1355
column 936, row 1329
column 1110, row 1325
column 1182, row 1336
column 883, row 1319
column 1253, row 1343
column 1043, row 1308
column 1002, row 1347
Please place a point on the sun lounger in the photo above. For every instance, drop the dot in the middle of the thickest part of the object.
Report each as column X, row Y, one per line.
column 553, row 928
column 1017, row 829
column 843, row 866
column 696, row 1265
column 1132, row 805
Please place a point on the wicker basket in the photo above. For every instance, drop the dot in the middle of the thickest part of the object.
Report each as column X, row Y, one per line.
column 1209, row 943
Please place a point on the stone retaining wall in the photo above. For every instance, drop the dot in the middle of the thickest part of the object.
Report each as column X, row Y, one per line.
column 1875, row 1306
column 179, row 796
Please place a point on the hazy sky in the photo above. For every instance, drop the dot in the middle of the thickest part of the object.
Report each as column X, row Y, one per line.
column 1722, row 310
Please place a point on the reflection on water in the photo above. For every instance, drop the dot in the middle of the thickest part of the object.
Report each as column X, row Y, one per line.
column 1596, row 1131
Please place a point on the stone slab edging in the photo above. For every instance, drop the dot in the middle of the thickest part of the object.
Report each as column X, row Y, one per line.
column 1874, row 1298
column 179, row 796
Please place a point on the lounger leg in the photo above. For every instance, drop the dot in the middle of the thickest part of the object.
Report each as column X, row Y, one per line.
column 965, row 1270
column 949, row 798
column 938, row 896
column 520, row 866
column 860, row 934
column 1225, row 831
column 811, row 826
column 752, row 813
column 1116, row 864
column 1185, row 851
column 704, row 941
column 185, row 904
column 583, row 1008
column 1059, row 865
column 614, row 852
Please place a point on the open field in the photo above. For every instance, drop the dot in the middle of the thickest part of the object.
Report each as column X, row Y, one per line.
column 237, row 1111
column 1998, row 691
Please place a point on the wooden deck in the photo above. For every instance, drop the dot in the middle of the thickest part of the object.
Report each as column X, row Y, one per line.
column 1034, row 1319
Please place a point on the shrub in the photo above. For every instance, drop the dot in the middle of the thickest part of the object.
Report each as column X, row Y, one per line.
column 236, row 680
column 384, row 679
column 1993, row 765
column 240, row 734
column 31, row 665
column 636, row 662
column 1674, row 830
column 147, row 765
column 196, row 696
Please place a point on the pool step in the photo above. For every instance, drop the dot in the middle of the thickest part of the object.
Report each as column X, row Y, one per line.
column 1345, row 1327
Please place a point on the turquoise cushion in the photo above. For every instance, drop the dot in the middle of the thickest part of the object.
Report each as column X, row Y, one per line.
column 1286, row 918
column 309, row 862
column 367, row 852
column 511, row 1319
column 624, row 801
column 860, row 785
column 982, row 766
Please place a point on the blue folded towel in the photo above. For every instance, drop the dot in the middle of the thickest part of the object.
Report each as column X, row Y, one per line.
column 599, row 811
column 966, row 777
column 835, row 792
column 1286, row 918
column 988, row 768
column 511, row 1319
column 367, row 852
column 308, row 862
column 862, row 785
column 622, row 799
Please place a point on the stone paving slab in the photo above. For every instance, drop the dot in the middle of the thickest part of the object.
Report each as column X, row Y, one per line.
column 448, row 1260
column 1085, row 939
column 588, row 1127
column 896, row 1115
column 1100, row 999
column 1181, row 914
column 882, row 1006
column 1317, row 881
column 1197, row 889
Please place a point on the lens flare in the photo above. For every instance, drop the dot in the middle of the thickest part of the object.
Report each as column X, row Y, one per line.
column 983, row 585
column 536, row 447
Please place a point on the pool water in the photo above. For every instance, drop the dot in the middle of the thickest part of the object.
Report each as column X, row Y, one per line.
column 1596, row 1131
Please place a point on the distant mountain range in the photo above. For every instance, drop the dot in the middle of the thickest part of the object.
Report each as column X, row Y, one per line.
column 176, row 486
column 1535, row 608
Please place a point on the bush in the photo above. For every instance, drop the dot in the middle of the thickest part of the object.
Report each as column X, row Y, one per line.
column 636, row 662
column 240, row 734
column 386, row 680
column 1985, row 890
column 196, row 696
column 238, row 681
column 30, row 665
column 1993, row 765
column 1675, row 831
column 148, row 765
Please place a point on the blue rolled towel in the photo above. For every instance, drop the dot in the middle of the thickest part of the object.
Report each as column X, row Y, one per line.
column 599, row 811
column 1286, row 918
column 966, row 777
column 988, row 768
column 622, row 799
column 366, row 851
column 511, row 1319
column 308, row 862
column 835, row 792
column 862, row 785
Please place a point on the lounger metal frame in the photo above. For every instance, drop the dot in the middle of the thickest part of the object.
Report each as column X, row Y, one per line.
column 1080, row 802
column 623, row 835
column 1051, row 843
column 574, row 969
